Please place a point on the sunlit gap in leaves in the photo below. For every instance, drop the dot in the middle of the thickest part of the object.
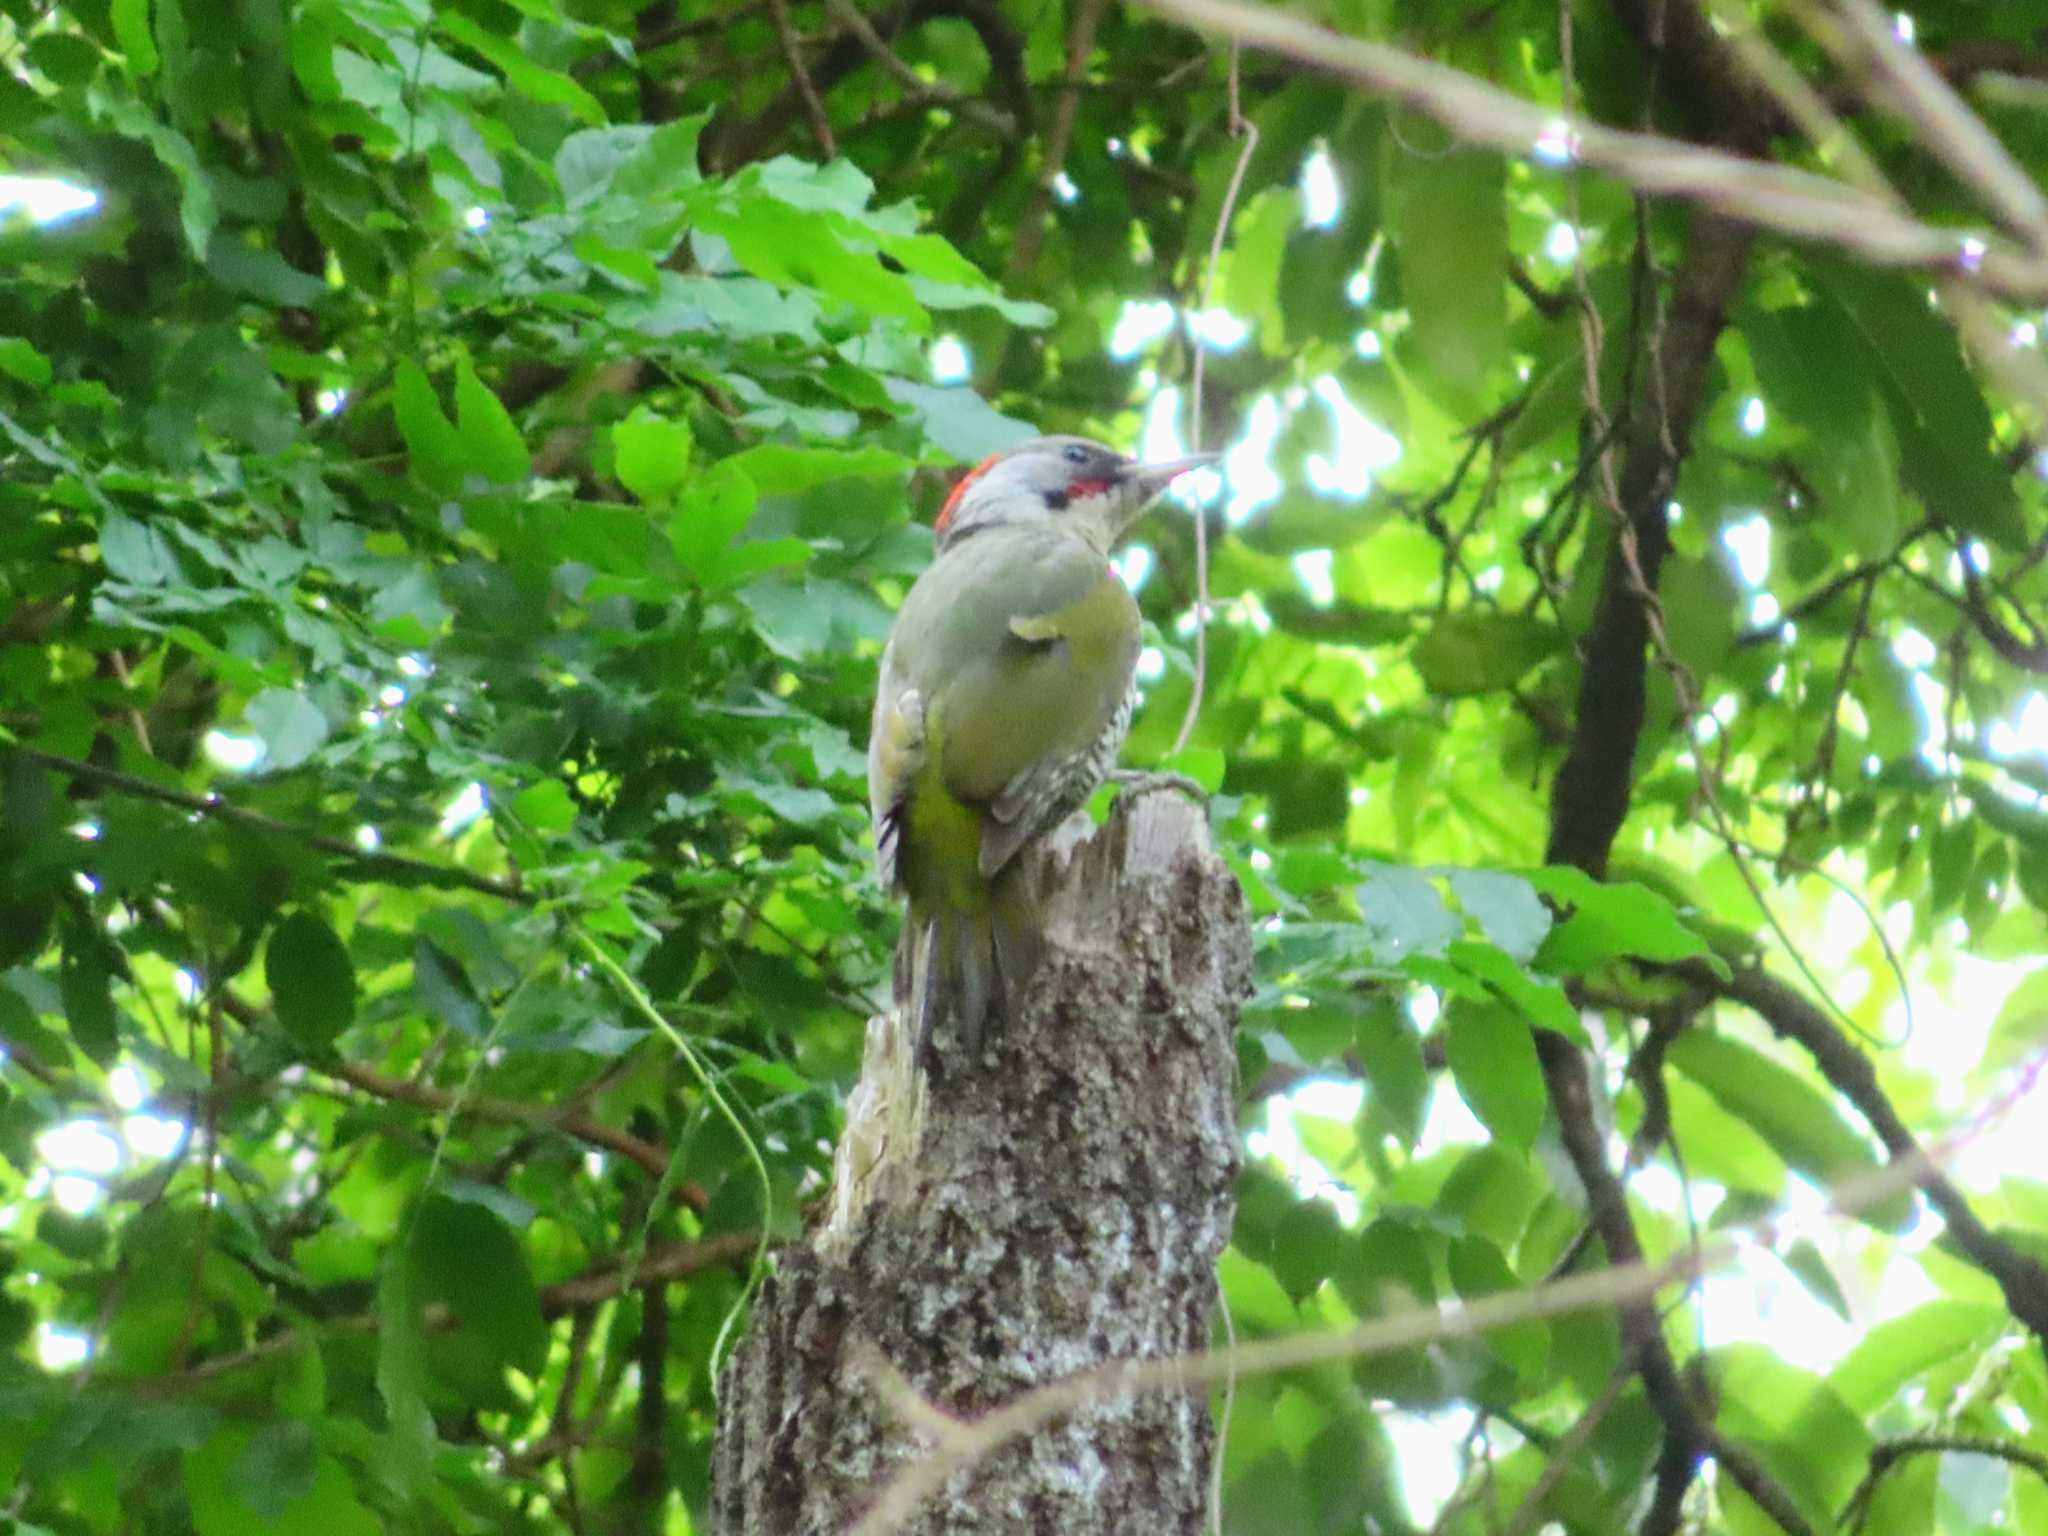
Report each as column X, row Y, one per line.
column 950, row 363
column 59, row 1349
column 1561, row 245
column 1749, row 541
column 75, row 1158
column 233, row 752
column 1312, row 567
column 1322, row 199
column 463, row 809
column 1903, row 27
column 45, row 199
column 1364, row 448
column 1753, row 417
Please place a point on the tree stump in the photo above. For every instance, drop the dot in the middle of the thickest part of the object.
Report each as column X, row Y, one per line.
column 1005, row 1222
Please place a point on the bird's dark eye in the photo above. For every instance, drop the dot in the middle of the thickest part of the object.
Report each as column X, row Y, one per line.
column 1076, row 454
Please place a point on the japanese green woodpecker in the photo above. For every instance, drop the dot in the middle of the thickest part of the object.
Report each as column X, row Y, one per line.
column 1006, row 693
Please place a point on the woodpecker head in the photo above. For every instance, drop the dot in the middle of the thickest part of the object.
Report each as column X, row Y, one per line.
column 1069, row 481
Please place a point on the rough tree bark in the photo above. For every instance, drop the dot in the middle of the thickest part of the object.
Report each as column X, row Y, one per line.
column 1008, row 1221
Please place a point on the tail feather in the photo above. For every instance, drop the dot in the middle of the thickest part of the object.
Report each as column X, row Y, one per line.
column 966, row 971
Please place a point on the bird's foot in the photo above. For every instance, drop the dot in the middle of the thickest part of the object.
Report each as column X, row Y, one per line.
column 1135, row 781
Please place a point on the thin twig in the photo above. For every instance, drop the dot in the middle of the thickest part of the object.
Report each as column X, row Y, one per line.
column 574, row 1123
column 1240, row 126
column 958, row 102
column 793, row 56
column 392, row 865
column 1887, row 1454
column 601, row 1282
column 1031, row 227
column 1560, row 1457
column 1799, row 205
column 1861, row 35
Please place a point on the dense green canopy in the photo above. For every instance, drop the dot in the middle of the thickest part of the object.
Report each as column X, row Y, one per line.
column 458, row 473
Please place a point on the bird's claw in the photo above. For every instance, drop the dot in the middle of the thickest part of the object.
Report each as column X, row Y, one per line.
column 1137, row 781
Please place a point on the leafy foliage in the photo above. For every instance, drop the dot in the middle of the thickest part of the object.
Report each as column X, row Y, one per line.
column 457, row 480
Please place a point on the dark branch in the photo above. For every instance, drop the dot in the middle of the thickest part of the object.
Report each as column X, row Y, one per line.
column 395, row 867
column 570, row 1122
column 1688, row 1430
column 2022, row 1278
column 1590, row 798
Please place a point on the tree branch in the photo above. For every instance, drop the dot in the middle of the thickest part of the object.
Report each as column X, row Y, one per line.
column 1590, row 798
column 1798, row 205
column 394, row 867
column 736, row 143
column 610, row 1277
column 1031, row 227
column 2021, row 1278
column 793, row 56
column 570, row 1122
column 1689, row 1434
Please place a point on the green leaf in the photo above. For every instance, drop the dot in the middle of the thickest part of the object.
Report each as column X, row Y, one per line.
column 1482, row 650
column 1251, row 278
column 1804, row 1259
column 86, row 983
column 1897, row 1350
column 311, row 979
column 1905, row 1501
column 1808, row 1437
column 438, row 455
column 464, row 1256
column 487, row 432
column 662, row 164
column 1505, row 906
column 22, row 361
column 260, row 274
column 958, row 421
column 1799, row 1121
column 2022, row 1022
column 1446, row 210
column 715, row 509
column 248, row 1481
column 1610, row 921
column 1478, row 1270
column 1538, row 1000
column 778, row 469
column 546, row 806
column 136, row 552
column 441, row 989
column 1938, row 412
column 651, row 455
column 1309, row 1245
column 1492, row 1058
column 1404, row 914
column 1396, row 1078
column 534, row 81
column 401, row 1370
column 290, row 724
column 1205, row 765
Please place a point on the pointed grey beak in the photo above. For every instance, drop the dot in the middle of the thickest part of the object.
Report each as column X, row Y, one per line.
column 1152, row 479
